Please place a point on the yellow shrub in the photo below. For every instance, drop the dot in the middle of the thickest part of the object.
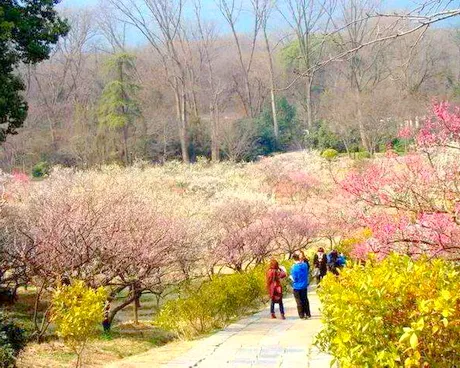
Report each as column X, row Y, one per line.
column 77, row 310
column 393, row 313
column 213, row 304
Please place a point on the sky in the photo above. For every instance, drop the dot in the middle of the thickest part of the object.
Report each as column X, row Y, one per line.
column 245, row 22
column 210, row 4
column 391, row 4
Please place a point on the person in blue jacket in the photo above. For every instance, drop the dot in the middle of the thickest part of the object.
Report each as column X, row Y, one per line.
column 335, row 261
column 299, row 275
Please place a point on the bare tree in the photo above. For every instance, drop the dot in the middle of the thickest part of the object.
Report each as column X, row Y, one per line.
column 422, row 16
column 308, row 20
column 160, row 21
column 207, row 46
column 59, row 83
column 231, row 10
column 238, row 139
column 113, row 31
column 265, row 10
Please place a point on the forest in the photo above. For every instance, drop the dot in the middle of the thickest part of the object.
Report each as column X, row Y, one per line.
column 144, row 80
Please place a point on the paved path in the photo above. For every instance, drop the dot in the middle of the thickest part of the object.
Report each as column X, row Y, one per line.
column 259, row 341
column 256, row 341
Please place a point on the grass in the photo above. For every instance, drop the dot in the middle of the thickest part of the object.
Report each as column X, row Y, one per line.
column 125, row 339
column 22, row 311
column 55, row 354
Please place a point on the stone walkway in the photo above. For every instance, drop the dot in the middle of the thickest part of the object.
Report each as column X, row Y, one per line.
column 257, row 341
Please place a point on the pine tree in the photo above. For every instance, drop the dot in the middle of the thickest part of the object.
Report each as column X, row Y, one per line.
column 118, row 106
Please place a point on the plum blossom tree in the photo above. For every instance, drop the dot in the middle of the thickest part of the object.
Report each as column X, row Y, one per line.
column 244, row 236
column 293, row 229
column 442, row 129
column 411, row 203
column 103, row 232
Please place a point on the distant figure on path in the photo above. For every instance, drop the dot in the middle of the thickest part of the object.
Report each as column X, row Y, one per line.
column 275, row 289
column 299, row 276
column 320, row 263
column 334, row 262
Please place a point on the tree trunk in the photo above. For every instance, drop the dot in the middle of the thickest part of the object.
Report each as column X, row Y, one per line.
column 184, row 130
column 346, row 147
column 308, row 87
column 275, row 117
column 181, row 116
column 111, row 313
column 272, row 86
column 215, row 155
column 136, row 311
column 125, row 145
column 359, row 117
column 165, row 144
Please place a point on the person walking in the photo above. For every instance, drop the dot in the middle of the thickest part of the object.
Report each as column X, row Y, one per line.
column 320, row 263
column 274, row 275
column 300, row 280
column 333, row 262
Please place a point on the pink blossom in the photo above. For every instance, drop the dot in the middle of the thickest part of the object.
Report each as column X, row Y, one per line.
column 406, row 133
column 20, row 176
column 442, row 128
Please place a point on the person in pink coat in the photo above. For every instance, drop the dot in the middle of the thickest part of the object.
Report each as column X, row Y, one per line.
column 274, row 287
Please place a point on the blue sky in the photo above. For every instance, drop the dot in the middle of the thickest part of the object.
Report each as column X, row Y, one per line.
column 389, row 3
column 209, row 9
column 210, row 4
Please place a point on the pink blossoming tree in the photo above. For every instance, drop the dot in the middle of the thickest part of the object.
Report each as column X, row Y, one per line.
column 411, row 203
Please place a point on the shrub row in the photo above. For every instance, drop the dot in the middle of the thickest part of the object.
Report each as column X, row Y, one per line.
column 394, row 313
column 213, row 304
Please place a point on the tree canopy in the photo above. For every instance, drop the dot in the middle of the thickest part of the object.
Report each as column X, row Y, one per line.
column 28, row 30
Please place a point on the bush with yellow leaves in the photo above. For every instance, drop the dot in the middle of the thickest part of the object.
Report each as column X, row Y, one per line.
column 77, row 310
column 397, row 312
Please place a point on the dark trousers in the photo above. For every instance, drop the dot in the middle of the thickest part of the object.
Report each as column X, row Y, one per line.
column 272, row 306
column 303, row 305
column 321, row 274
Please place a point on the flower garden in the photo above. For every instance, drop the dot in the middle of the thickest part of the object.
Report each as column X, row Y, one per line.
column 127, row 238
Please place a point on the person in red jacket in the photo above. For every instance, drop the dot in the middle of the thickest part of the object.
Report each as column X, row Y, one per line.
column 274, row 287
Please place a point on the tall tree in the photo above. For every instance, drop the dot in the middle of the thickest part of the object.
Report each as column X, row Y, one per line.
column 309, row 23
column 28, row 30
column 160, row 21
column 118, row 107
column 231, row 11
column 207, row 40
column 264, row 11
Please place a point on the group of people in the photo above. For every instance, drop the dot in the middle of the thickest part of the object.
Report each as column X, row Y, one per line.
column 300, row 278
column 327, row 262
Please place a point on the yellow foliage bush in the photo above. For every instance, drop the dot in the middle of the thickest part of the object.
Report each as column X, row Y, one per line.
column 213, row 303
column 394, row 313
column 77, row 310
